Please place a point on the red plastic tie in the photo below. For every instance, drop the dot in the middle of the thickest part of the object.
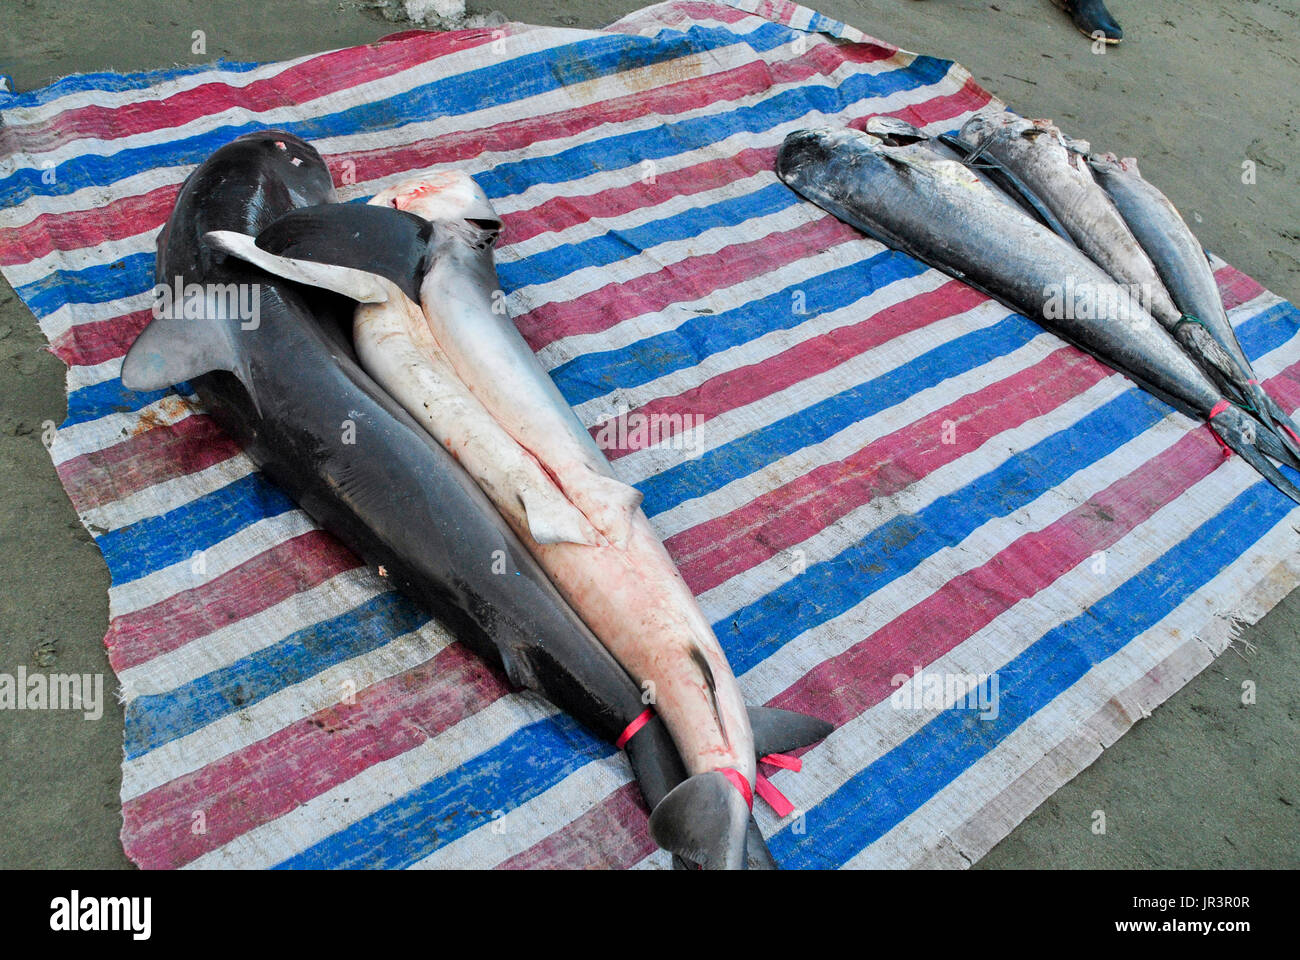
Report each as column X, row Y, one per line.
column 782, row 760
column 740, row 783
column 630, row 731
column 766, row 789
column 1217, row 409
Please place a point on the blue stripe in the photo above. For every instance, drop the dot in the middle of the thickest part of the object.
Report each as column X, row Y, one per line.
column 524, row 765
column 630, row 149
column 154, row 543
column 112, row 83
column 157, row 719
column 108, row 397
column 597, row 373
column 803, row 428
column 1268, row 329
column 466, row 92
column 884, row 793
column 97, row 284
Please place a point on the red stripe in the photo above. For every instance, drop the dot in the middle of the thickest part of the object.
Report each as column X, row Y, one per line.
column 153, row 455
column 720, row 548
column 294, row 86
column 294, row 566
column 272, row 777
column 744, row 385
column 1236, row 288
column 123, row 217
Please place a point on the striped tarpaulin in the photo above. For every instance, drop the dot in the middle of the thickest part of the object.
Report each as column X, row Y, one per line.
column 893, row 473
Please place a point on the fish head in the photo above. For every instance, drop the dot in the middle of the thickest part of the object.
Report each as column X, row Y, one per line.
column 289, row 160
column 806, row 151
column 442, row 196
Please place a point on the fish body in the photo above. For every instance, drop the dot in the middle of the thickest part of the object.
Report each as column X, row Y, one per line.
column 937, row 211
column 1180, row 261
column 291, row 389
column 1057, row 170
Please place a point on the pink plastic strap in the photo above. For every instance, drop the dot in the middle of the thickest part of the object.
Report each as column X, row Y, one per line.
column 740, row 783
column 1217, row 409
column 631, row 729
column 782, row 760
column 774, row 797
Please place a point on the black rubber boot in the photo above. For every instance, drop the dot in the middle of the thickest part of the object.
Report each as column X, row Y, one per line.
column 1091, row 16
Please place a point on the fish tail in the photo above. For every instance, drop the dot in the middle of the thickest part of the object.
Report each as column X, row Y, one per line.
column 1241, row 434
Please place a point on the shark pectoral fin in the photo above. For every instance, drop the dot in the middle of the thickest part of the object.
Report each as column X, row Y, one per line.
column 357, row 284
column 552, row 519
column 171, row 350
column 704, row 820
column 780, row 731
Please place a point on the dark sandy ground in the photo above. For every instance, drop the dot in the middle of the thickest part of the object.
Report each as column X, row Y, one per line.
column 1196, row 89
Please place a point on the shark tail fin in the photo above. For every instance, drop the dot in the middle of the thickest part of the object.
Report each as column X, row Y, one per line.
column 704, row 820
column 357, row 284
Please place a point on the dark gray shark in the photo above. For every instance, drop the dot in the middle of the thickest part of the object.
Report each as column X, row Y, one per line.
column 285, row 387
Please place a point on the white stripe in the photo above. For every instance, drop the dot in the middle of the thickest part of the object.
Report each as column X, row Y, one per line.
column 88, row 436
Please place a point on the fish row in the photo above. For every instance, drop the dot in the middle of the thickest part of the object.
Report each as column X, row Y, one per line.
column 1078, row 241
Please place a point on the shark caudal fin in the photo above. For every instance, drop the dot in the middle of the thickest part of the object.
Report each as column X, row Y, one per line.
column 704, row 820
column 357, row 284
column 1242, row 433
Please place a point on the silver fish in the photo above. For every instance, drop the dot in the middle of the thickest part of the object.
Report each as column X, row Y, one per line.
column 937, row 211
